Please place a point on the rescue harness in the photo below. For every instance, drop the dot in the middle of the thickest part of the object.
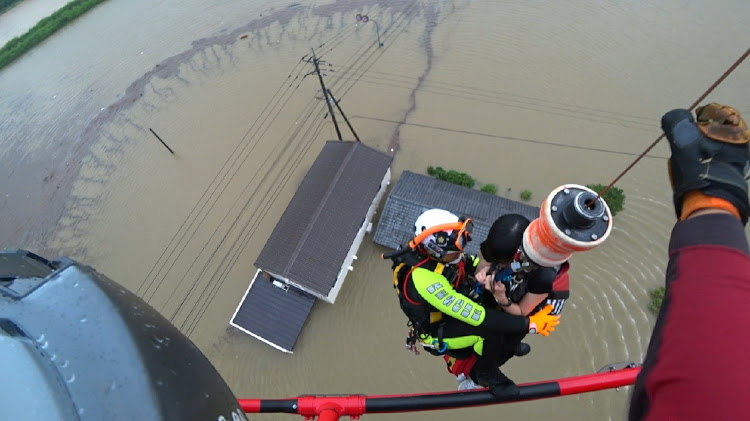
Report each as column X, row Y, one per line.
column 424, row 319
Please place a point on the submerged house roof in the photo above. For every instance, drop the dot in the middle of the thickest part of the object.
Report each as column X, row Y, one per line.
column 314, row 235
column 416, row 193
column 273, row 314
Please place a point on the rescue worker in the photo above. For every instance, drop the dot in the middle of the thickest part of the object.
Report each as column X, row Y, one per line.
column 518, row 288
column 445, row 310
column 697, row 361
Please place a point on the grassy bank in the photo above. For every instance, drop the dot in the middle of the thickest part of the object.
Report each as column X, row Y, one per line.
column 18, row 46
column 7, row 4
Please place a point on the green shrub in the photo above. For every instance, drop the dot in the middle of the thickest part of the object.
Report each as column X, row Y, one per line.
column 614, row 197
column 452, row 176
column 489, row 188
column 526, row 195
column 657, row 296
column 43, row 29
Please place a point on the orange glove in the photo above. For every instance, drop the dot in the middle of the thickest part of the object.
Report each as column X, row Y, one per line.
column 542, row 323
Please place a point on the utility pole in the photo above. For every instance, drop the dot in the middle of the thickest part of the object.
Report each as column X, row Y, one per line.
column 346, row 120
column 325, row 93
column 162, row 142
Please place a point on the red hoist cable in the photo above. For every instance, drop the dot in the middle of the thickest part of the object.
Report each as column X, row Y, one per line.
column 695, row 104
column 574, row 218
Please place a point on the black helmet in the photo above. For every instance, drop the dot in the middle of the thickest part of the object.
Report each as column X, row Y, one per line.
column 505, row 238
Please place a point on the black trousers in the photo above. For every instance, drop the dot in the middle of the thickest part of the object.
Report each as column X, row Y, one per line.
column 497, row 348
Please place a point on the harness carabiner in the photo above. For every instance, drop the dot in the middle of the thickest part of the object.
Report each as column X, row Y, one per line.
column 436, row 346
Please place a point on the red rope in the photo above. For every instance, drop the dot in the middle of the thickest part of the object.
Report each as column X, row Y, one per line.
column 461, row 273
column 406, row 280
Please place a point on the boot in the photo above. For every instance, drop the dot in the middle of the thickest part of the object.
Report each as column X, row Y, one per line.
column 522, row 349
column 499, row 384
column 466, row 383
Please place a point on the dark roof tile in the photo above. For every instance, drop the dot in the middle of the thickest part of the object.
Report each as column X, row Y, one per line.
column 416, row 193
column 314, row 235
column 275, row 315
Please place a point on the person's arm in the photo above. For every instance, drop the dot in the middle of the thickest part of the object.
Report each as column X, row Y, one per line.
column 439, row 293
column 522, row 308
column 539, row 283
column 696, row 361
column 527, row 304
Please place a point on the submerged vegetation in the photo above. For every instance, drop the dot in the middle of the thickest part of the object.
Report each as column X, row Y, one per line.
column 614, row 197
column 16, row 47
column 452, row 176
column 489, row 188
column 465, row 180
column 657, row 296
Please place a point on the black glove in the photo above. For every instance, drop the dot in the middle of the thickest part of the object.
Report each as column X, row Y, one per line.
column 715, row 167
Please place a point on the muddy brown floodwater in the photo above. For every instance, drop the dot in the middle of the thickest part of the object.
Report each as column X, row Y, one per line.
column 525, row 95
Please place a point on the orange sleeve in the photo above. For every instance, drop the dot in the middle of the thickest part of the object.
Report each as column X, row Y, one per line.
column 696, row 200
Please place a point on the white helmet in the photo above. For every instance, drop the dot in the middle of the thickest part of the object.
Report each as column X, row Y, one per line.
column 438, row 242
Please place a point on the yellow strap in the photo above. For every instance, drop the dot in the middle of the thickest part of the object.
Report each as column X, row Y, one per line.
column 439, row 268
column 395, row 275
